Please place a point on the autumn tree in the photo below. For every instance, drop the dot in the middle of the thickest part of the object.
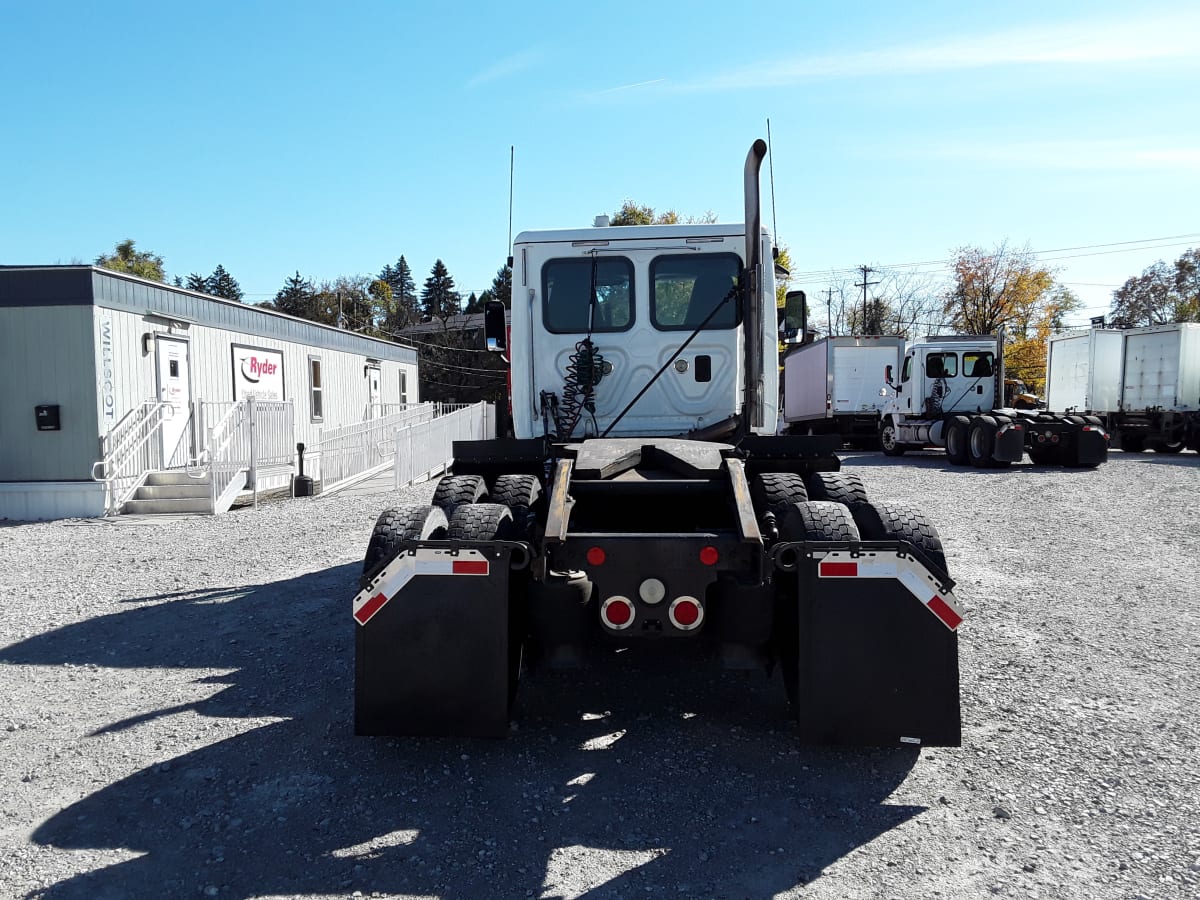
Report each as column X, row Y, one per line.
column 1160, row 294
column 346, row 302
column 127, row 258
column 995, row 288
column 632, row 213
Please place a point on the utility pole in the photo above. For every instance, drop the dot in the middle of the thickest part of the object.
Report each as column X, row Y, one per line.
column 829, row 312
column 866, row 270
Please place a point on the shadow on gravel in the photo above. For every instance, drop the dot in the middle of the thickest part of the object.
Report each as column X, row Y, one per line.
column 649, row 775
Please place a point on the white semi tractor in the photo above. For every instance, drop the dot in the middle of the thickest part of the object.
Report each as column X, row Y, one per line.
column 1143, row 383
column 647, row 498
column 949, row 393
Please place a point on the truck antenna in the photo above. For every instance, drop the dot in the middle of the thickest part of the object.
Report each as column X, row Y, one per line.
column 512, row 155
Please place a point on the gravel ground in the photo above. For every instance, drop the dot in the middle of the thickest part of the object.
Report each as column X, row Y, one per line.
column 178, row 723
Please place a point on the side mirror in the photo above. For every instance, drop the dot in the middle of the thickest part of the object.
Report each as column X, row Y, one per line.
column 794, row 317
column 495, row 330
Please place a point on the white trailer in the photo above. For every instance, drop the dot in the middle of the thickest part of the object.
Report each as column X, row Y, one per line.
column 831, row 386
column 1144, row 382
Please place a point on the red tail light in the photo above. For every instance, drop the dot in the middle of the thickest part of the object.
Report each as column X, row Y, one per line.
column 686, row 613
column 596, row 556
column 617, row 612
column 709, row 556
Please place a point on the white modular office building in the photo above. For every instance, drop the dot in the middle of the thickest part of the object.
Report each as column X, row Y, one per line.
column 93, row 361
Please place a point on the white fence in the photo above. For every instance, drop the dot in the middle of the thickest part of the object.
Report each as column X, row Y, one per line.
column 424, row 449
column 366, row 447
column 247, row 435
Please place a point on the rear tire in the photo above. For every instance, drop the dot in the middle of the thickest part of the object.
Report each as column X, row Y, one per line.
column 395, row 526
column 900, row 522
column 1171, row 447
column 956, row 440
column 482, row 522
column 982, row 441
column 454, row 490
column 840, row 487
column 776, row 492
column 819, row 520
column 522, row 494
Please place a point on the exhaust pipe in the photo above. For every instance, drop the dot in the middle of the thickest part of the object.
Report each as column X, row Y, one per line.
column 752, row 412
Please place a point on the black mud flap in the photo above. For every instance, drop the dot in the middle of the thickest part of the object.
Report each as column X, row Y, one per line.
column 878, row 653
column 1010, row 443
column 432, row 649
column 1091, row 447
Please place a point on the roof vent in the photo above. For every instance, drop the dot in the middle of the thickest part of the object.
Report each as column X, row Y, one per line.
column 600, row 222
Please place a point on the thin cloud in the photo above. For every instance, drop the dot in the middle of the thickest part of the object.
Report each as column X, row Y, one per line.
column 504, row 68
column 1148, row 40
column 626, row 87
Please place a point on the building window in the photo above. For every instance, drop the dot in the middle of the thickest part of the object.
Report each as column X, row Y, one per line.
column 403, row 386
column 315, row 389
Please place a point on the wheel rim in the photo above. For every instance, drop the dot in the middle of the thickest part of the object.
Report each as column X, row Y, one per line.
column 953, row 440
column 977, row 442
column 887, row 437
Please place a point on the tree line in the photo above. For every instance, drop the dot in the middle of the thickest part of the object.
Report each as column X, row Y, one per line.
column 989, row 290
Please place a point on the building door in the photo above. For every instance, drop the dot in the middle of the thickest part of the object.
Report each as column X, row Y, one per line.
column 174, row 388
column 373, row 403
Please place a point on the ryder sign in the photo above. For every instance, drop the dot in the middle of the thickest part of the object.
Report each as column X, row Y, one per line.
column 257, row 373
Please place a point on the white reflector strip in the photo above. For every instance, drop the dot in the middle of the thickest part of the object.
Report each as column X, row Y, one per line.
column 916, row 579
column 407, row 566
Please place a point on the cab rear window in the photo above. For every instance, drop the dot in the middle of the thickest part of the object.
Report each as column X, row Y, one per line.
column 690, row 289
column 567, row 295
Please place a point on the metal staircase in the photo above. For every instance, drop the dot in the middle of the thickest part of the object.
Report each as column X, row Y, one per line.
column 175, row 492
column 242, row 440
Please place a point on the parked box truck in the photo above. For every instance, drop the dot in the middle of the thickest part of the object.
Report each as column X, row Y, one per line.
column 831, row 386
column 1143, row 382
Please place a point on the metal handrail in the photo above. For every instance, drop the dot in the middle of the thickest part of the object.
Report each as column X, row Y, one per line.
column 129, row 450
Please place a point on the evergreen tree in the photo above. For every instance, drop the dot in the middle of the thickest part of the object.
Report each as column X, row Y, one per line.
column 296, row 298
column 197, row 282
column 501, row 288
column 439, row 298
column 404, row 310
column 221, row 284
column 474, row 304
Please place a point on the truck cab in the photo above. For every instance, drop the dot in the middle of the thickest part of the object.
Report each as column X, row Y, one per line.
column 596, row 313
column 946, row 376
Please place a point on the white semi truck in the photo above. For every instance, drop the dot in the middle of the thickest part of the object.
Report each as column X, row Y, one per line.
column 647, row 498
column 1143, row 383
column 948, row 393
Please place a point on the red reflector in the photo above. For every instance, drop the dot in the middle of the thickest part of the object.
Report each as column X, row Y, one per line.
column 470, row 567
column 839, row 570
column 944, row 612
column 596, row 556
column 709, row 556
column 618, row 613
column 369, row 608
column 687, row 613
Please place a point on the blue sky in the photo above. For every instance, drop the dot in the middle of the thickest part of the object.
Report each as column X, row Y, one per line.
column 271, row 137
